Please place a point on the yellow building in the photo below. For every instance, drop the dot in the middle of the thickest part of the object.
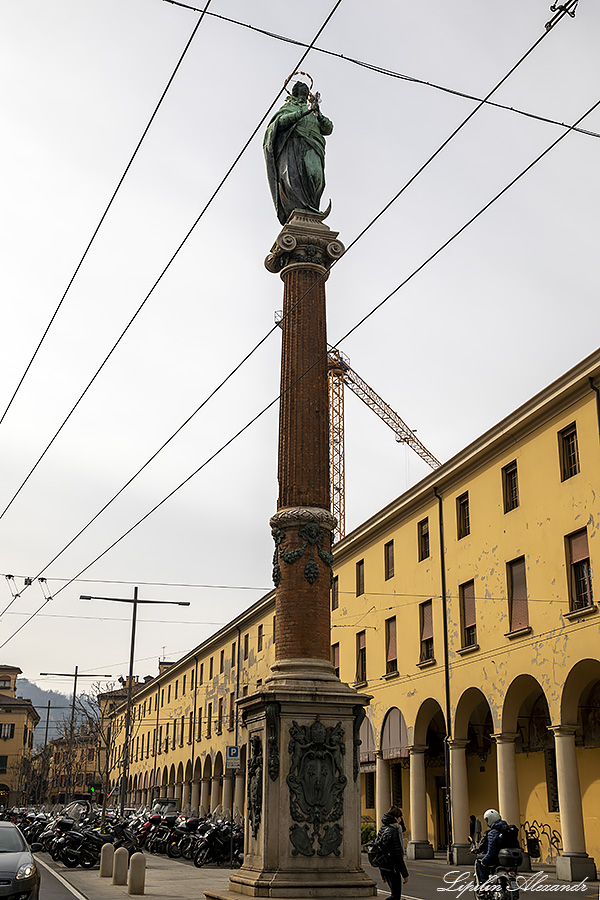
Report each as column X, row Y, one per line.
column 18, row 718
column 469, row 601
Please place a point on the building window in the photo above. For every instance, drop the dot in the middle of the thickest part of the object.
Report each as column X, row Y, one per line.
column 245, row 691
column 335, row 592
column 211, row 668
column 168, row 694
column 569, row 452
column 274, row 627
column 233, row 654
column 192, row 679
column 199, row 726
column 391, row 654
column 201, row 674
column 463, row 519
column 209, row 720
column 388, row 560
column 335, row 658
column 182, row 732
column 162, row 697
column 467, row 609
column 220, row 716
column 426, row 624
column 361, row 657
column 423, row 538
column 231, row 711
column 176, row 688
column 183, row 685
column 517, row 594
column 91, row 754
column 259, row 640
column 246, row 646
column 580, row 587
column 222, row 661
column 360, row 577
column 7, row 731
column 510, row 486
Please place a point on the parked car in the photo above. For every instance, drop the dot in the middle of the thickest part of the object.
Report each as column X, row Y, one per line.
column 20, row 875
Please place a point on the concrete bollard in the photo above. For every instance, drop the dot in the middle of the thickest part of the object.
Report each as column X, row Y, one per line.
column 137, row 874
column 120, row 866
column 107, row 855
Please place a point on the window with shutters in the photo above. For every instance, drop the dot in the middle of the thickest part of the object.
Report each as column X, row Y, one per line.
column 219, row 727
column 209, row 720
column 388, row 560
column 192, row 675
column 3, row 764
column 370, row 790
column 246, row 642
column 201, row 674
column 191, row 728
column 423, row 539
column 7, row 731
column 360, row 577
column 580, row 580
column 517, row 594
column 199, row 725
column 335, row 593
column 463, row 517
column 233, row 648
column 361, row 657
column 222, row 661
column 211, row 668
column 569, row 452
column 176, row 688
column 467, row 610
column 426, row 623
column 510, row 486
column 182, row 731
column 335, row 658
column 391, row 655
column 259, row 642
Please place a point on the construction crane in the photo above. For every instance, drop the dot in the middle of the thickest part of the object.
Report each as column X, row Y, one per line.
column 339, row 375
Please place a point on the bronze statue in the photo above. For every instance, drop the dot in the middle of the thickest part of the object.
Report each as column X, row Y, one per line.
column 294, row 148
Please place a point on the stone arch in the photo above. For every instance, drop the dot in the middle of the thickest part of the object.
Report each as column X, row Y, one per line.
column 198, row 768
column 165, row 779
column 428, row 711
column 218, row 766
column 471, row 707
column 525, row 712
column 579, row 687
column 179, row 777
column 207, row 773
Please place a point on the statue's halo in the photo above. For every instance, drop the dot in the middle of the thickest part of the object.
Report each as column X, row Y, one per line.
column 289, row 78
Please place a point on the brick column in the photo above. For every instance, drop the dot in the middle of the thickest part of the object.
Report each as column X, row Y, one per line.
column 303, row 524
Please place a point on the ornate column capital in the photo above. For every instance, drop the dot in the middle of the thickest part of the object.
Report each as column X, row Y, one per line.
column 303, row 515
column 457, row 744
column 304, row 242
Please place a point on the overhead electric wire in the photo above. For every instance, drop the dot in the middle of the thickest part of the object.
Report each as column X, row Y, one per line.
column 155, row 285
column 106, row 210
column 381, row 70
column 564, row 11
column 354, row 328
column 186, row 584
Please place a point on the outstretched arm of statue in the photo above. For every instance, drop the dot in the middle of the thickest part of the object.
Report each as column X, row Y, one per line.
column 325, row 124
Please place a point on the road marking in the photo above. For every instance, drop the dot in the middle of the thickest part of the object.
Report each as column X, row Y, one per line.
column 64, row 881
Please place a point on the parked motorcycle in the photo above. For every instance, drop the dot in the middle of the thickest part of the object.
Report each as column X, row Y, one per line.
column 502, row 883
column 223, row 842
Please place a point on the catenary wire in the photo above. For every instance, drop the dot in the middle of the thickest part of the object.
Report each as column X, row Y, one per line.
column 381, row 70
column 273, row 328
column 151, row 291
column 265, row 409
column 227, row 587
column 106, row 210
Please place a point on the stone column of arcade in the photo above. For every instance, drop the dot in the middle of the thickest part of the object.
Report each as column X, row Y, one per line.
column 303, row 804
column 573, row 864
column 418, row 846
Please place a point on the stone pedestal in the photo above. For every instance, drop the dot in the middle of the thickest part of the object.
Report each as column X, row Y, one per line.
column 303, row 803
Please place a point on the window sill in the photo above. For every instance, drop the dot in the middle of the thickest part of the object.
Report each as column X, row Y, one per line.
column 579, row 613
column 358, row 684
column 462, row 651
column 520, row 632
column 390, row 675
column 424, row 663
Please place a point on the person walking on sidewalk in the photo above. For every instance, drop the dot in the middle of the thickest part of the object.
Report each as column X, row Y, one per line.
column 391, row 833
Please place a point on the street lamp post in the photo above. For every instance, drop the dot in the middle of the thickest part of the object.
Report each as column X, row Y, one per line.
column 135, row 601
column 77, row 674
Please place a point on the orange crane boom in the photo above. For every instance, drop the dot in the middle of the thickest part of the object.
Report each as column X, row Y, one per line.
column 340, row 373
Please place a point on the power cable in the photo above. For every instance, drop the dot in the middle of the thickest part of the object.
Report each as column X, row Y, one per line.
column 154, row 286
column 185, row 584
column 381, row 70
column 107, row 209
column 265, row 409
column 562, row 13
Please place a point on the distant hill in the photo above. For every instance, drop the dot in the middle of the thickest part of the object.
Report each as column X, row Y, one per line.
column 60, row 708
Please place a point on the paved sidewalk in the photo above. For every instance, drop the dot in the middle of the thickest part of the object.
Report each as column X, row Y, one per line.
column 166, row 879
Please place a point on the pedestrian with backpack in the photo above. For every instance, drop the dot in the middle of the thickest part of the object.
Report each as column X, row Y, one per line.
column 392, row 868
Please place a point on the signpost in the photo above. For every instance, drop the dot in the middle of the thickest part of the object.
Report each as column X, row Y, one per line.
column 232, row 758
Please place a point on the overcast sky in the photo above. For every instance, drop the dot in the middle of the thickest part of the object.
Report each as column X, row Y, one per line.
column 504, row 310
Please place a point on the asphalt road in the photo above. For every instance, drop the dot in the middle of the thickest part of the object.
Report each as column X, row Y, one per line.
column 53, row 885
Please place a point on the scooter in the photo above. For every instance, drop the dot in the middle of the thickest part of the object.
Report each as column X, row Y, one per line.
column 502, row 882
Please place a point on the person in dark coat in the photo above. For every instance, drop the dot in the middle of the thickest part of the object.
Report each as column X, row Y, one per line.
column 397, row 874
column 489, row 848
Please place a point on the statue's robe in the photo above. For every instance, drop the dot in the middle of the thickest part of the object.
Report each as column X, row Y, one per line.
column 294, row 148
